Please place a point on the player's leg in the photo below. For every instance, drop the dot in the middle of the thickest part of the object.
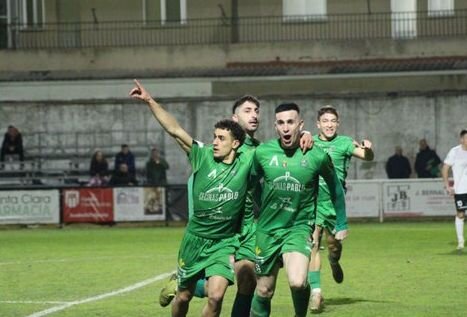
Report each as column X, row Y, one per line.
column 314, row 272
column 296, row 267
column 265, row 287
column 334, row 255
column 182, row 300
column 245, row 271
column 267, row 264
column 168, row 292
column 460, row 229
column 246, row 284
column 216, row 290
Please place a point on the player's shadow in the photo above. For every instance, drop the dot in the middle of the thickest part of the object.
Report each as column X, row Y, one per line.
column 453, row 251
column 337, row 301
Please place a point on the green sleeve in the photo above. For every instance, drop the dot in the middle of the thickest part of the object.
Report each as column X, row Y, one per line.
column 337, row 192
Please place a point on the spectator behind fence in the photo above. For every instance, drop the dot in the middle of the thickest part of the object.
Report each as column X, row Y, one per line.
column 12, row 144
column 123, row 177
column 398, row 166
column 427, row 161
column 99, row 170
column 125, row 156
column 156, row 168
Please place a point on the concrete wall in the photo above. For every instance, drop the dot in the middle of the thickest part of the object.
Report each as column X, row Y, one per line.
column 386, row 121
column 218, row 56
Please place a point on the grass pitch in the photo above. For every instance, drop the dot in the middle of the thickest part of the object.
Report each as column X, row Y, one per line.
column 393, row 269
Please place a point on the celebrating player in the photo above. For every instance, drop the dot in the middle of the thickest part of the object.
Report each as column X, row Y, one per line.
column 341, row 149
column 286, row 216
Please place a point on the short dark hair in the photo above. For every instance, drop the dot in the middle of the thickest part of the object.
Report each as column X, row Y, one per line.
column 235, row 129
column 244, row 99
column 463, row 132
column 287, row 106
column 124, row 145
column 327, row 109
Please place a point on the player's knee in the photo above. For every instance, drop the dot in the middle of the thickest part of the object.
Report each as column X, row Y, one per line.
column 215, row 299
column 297, row 283
column 264, row 291
column 183, row 297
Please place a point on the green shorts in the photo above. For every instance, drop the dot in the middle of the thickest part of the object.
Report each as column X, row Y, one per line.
column 200, row 257
column 247, row 238
column 270, row 247
column 325, row 212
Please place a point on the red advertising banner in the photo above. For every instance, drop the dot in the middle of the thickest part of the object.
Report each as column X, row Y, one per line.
column 88, row 205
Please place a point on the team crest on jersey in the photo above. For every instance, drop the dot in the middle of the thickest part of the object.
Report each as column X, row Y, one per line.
column 284, row 164
column 304, row 163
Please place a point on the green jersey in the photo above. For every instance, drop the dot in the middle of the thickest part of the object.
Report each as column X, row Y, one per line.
column 340, row 149
column 250, row 145
column 218, row 192
column 290, row 186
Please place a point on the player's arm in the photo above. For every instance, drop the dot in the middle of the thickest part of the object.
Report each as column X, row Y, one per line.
column 337, row 196
column 363, row 151
column 166, row 120
column 445, row 175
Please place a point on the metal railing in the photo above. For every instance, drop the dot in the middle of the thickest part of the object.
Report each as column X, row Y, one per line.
column 402, row 25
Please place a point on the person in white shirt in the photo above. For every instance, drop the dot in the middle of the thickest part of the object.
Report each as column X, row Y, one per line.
column 457, row 160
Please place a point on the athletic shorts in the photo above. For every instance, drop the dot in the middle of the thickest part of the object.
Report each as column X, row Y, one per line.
column 247, row 238
column 325, row 212
column 461, row 202
column 270, row 247
column 200, row 257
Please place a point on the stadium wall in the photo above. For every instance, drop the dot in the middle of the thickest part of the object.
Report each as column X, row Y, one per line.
column 386, row 121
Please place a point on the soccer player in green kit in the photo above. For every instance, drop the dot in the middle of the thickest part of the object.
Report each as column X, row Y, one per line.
column 246, row 112
column 341, row 149
column 221, row 175
column 287, row 214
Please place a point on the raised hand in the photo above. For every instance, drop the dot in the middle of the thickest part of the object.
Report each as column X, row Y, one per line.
column 139, row 92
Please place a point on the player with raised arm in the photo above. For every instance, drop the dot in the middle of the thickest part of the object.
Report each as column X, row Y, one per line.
column 341, row 149
column 457, row 161
column 287, row 214
column 246, row 112
column 220, row 178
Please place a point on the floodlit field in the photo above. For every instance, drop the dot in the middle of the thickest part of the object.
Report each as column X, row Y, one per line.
column 394, row 269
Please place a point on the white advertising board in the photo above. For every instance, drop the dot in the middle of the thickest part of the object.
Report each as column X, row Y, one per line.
column 416, row 198
column 139, row 204
column 362, row 199
column 30, row 206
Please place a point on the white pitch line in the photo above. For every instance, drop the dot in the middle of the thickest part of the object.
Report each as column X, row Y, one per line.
column 102, row 296
column 31, row 302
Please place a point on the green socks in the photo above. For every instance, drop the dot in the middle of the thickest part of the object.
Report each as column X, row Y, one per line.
column 199, row 289
column 314, row 279
column 260, row 306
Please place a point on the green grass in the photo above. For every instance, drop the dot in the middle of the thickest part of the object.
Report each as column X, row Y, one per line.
column 394, row 269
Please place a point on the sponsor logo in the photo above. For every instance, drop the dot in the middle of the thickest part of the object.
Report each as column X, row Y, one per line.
column 288, row 183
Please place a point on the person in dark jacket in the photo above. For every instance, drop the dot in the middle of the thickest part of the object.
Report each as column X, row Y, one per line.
column 99, row 169
column 12, row 144
column 427, row 161
column 125, row 156
column 398, row 166
column 156, row 168
column 123, row 177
